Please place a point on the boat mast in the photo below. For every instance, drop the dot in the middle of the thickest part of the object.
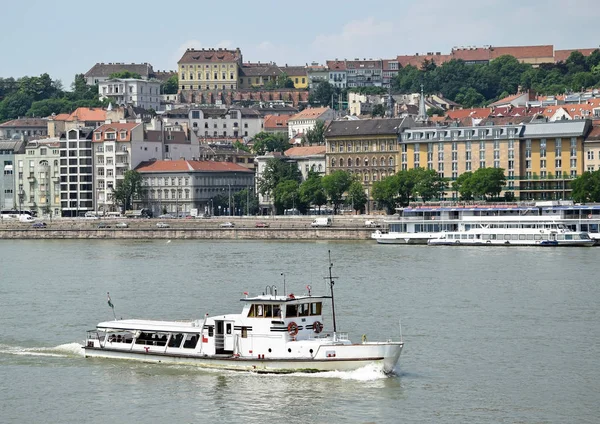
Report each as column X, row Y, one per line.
column 331, row 283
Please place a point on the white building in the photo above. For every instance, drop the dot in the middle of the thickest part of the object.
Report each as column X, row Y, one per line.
column 306, row 120
column 308, row 158
column 225, row 123
column 131, row 91
column 76, row 172
column 118, row 147
column 337, row 73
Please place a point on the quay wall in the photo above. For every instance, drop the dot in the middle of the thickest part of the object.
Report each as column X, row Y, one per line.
column 192, row 233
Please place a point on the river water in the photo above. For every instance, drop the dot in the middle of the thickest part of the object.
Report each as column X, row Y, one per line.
column 492, row 335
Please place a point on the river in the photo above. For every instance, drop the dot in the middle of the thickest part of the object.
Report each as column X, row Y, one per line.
column 492, row 335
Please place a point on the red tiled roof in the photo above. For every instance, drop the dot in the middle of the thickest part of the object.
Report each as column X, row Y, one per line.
column 523, row 52
column 336, row 65
column 210, row 55
column 417, row 60
column 276, row 121
column 309, row 113
column 189, row 166
column 471, row 54
column 87, row 114
column 305, row 151
column 477, row 113
column 563, row 55
column 507, row 99
column 116, row 127
column 26, row 122
column 594, row 134
column 61, row 117
column 366, row 64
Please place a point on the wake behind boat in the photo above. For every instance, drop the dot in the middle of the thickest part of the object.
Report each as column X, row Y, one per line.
column 273, row 333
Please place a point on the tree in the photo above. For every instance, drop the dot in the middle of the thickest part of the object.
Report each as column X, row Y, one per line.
column 428, row 183
column 378, row 110
column 315, row 136
column 171, row 86
column 277, row 170
column 322, row 94
column 239, row 145
column 284, row 81
column 586, row 187
column 128, row 189
column 356, row 199
column 484, row 183
column 246, row 201
column 15, row 105
column 124, row 74
column 385, row 193
column 335, row 185
column 463, row 187
column 47, row 107
column 286, row 196
column 435, row 111
column 264, row 142
column 311, row 190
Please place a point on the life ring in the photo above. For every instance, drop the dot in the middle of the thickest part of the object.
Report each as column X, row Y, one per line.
column 317, row 327
column 292, row 328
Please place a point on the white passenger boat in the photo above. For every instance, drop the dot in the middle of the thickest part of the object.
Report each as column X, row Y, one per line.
column 551, row 235
column 419, row 223
column 273, row 334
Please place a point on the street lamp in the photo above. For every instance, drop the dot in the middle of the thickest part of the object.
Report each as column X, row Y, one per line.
column 229, row 207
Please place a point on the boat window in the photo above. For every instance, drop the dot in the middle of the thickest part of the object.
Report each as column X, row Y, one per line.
column 251, row 311
column 485, row 236
column 568, row 237
column 191, row 340
column 175, row 340
column 315, row 308
column 259, row 310
column 506, row 236
column 515, row 237
column 276, row 311
column 120, row 337
column 463, row 236
column 530, row 237
column 584, row 236
column 211, row 330
column 471, row 236
column 303, row 312
column 492, row 236
column 291, row 311
column 543, row 237
column 244, row 332
column 560, row 237
column 268, row 311
column 521, row 236
column 152, row 339
column 228, row 328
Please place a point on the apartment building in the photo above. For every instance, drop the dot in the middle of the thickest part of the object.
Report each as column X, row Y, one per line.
column 209, row 69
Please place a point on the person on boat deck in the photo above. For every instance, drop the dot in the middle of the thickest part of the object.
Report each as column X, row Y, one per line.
column 112, row 338
column 119, row 338
column 276, row 312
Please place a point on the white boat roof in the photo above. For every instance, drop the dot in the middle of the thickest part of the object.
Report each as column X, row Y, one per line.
column 278, row 299
column 151, row 325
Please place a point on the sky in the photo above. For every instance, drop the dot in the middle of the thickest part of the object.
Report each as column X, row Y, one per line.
column 66, row 37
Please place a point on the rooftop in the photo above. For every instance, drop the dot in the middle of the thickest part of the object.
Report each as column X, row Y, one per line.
column 210, row 55
column 276, row 121
column 106, row 69
column 305, row 151
column 25, row 122
column 189, row 166
column 310, row 113
column 364, row 127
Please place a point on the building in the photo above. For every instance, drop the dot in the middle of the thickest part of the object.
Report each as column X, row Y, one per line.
column 298, row 75
column 82, row 117
column 102, row 71
column 9, row 189
column 308, row 158
column 364, row 73
column 209, row 69
column 306, row 120
column 38, row 177
column 232, row 123
column 591, row 149
column 533, row 55
column 130, row 91
column 76, row 172
column 25, row 128
column 337, row 73
column 390, row 68
column 178, row 186
column 117, row 148
column 316, row 74
column 367, row 148
column 254, row 75
column 276, row 124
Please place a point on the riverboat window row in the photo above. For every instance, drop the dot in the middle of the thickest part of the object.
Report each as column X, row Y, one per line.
column 274, row 311
column 179, row 340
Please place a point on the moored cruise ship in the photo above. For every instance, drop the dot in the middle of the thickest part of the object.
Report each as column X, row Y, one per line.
column 420, row 223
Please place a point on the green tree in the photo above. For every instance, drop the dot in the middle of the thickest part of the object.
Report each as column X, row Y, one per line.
column 264, row 142
column 385, row 193
column 311, row 190
column 125, row 74
column 484, row 183
column 586, row 187
column 246, row 201
column 277, row 170
column 47, row 107
column 435, row 111
column 15, row 105
column 241, row 146
column 428, row 183
column 322, row 94
column 357, row 198
column 284, row 81
column 128, row 189
column 286, row 196
column 171, row 86
column 315, row 136
column 378, row 110
column 335, row 185
column 462, row 185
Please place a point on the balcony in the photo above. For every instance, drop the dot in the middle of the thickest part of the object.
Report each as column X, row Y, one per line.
column 121, row 164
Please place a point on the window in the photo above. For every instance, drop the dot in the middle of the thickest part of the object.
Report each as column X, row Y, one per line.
column 557, row 163
column 590, row 155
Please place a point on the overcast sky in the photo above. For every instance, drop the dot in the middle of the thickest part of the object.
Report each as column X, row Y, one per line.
column 66, row 37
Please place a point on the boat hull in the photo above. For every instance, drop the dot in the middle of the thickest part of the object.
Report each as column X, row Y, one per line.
column 403, row 238
column 347, row 358
column 544, row 243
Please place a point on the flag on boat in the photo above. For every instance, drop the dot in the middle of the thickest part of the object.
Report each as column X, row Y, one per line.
column 246, row 293
column 109, row 301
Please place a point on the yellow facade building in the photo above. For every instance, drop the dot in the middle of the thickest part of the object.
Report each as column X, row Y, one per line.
column 209, row 69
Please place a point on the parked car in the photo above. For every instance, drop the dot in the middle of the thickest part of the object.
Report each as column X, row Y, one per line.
column 166, row 216
column 162, row 225
column 372, row 224
column 261, row 224
column 122, row 225
column 103, row 225
column 227, row 225
column 39, row 225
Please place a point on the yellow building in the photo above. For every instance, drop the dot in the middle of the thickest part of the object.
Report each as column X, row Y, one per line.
column 367, row 148
column 539, row 159
column 209, row 69
column 591, row 150
column 297, row 74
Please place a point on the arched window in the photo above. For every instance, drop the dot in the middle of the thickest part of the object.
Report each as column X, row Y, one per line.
column 333, row 162
column 341, row 161
column 373, row 161
column 320, row 168
column 375, row 176
column 349, row 162
column 366, row 162
column 43, row 163
column 357, row 162
column 382, row 175
column 366, row 176
column 382, row 162
column 391, row 161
